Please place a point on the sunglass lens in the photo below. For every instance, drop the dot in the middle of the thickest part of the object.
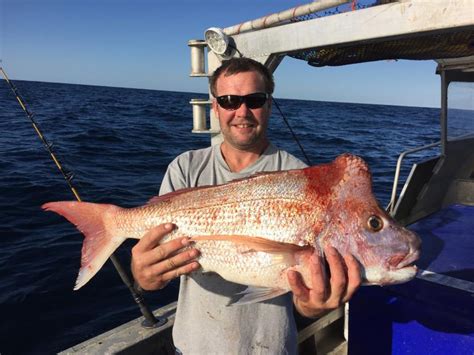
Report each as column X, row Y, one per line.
column 254, row 101
column 229, row 102
column 233, row 102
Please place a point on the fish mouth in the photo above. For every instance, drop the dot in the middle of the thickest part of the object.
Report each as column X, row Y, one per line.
column 400, row 269
column 410, row 258
column 400, row 261
column 383, row 277
column 404, row 270
column 414, row 245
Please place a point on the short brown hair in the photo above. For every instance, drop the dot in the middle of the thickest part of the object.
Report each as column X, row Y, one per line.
column 241, row 65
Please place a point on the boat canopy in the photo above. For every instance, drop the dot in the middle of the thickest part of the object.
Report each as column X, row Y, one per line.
column 433, row 42
column 422, row 47
column 404, row 29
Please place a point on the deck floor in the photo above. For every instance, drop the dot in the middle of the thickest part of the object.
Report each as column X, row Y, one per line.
column 448, row 242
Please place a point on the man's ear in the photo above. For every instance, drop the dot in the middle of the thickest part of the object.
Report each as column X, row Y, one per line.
column 214, row 107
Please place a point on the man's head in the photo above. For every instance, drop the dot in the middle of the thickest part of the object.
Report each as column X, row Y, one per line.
column 240, row 65
column 242, row 89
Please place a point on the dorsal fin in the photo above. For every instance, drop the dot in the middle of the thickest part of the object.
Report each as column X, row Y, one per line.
column 257, row 175
column 166, row 197
column 169, row 195
column 357, row 176
column 353, row 163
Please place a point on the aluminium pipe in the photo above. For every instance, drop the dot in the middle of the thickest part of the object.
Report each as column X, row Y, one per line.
column 283, row 16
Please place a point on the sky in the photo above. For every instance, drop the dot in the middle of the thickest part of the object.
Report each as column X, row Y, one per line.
column 143, row 44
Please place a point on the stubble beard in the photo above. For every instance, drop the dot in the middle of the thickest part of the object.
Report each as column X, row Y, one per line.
column 255, row 140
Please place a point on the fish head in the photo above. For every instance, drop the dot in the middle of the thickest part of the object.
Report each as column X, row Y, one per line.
column 357, row 225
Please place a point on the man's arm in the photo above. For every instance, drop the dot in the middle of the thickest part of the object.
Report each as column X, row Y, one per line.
column 325, row 295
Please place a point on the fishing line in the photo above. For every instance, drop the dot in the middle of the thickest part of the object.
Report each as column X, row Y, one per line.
column 308, row 161
column 150, row 320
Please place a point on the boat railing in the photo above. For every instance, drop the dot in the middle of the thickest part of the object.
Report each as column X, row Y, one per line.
column 393, row 199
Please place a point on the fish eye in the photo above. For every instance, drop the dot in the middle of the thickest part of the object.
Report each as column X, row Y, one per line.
column 375, row 223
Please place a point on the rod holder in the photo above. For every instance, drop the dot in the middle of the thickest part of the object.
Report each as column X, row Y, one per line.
column 197, row 57
column 199, row 115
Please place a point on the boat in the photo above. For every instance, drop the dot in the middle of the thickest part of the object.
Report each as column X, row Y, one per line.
column 435, row 312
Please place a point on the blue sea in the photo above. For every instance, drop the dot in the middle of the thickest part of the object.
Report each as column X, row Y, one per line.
column 117, row 142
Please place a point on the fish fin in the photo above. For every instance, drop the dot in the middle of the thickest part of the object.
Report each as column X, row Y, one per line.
column 285, row 258
column 169, row 195
column 172, row 194
column 254, row 243
column 99, row 243
column 254, row 294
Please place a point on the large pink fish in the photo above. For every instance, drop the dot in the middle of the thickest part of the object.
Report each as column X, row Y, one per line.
column 252, row 231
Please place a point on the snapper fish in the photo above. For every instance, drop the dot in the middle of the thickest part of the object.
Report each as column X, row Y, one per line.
column 252, row 231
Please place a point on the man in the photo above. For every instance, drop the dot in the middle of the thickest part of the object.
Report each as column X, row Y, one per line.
column 204, row 323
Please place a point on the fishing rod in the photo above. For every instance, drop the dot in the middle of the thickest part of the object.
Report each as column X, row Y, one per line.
column 150, row 320
column 308, row 161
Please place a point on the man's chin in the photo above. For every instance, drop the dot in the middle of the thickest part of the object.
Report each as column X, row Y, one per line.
column 247, row 145
column 245, row 141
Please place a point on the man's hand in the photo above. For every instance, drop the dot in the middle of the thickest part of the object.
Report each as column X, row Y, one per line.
column 325, row 295
column 154, row 265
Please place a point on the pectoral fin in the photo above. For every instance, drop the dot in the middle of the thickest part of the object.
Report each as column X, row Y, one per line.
column 254, row 294
column 254, row 243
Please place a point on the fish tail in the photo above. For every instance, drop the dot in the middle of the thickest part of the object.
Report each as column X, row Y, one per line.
column 93, row 220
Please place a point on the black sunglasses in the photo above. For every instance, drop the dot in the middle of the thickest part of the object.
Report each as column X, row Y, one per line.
column 233, row 102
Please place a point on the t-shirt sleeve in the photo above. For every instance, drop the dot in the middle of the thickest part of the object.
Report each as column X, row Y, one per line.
column 174, row 179
column 289, row 161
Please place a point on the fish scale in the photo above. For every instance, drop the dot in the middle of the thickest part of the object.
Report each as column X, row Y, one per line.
column 269, row 214
column 248, row 267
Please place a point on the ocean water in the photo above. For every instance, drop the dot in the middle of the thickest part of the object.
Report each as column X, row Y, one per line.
column 118, row 142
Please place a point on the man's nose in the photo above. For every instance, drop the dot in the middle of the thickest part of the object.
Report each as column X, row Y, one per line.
column 243, row 110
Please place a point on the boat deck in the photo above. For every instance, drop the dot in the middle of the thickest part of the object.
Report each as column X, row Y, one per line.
column 435, row 312
column 448, row 244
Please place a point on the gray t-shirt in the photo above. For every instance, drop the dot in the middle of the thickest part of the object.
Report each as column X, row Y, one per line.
column 204, row 323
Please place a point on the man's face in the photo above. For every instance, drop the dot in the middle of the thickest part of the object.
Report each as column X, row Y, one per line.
column 243, row 128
